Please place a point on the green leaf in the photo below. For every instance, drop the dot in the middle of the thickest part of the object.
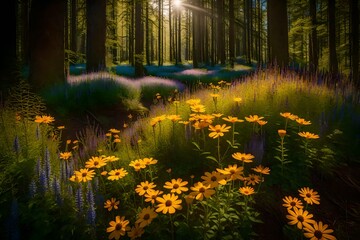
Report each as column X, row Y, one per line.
column 212, row 158
column 196, row 145
column 205, row 153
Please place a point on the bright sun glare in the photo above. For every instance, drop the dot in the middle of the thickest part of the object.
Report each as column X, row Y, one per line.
column 177, row 3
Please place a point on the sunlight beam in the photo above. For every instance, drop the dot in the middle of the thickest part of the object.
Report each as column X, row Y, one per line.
column 177, row 3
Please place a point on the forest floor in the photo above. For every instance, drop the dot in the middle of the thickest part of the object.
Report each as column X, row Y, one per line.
column 115, row 116
column 339, row 205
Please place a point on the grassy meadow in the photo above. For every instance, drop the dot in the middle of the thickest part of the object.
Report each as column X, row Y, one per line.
column 271, row 156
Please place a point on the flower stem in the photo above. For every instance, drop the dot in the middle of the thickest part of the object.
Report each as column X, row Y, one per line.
column 172, row 228
column 154, row 133
column 282, row 156
column 233, row 134
column 218, row 148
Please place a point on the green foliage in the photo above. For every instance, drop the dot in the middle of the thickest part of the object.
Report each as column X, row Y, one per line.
column 24, row 102
column 89, row 96
column 181, row 151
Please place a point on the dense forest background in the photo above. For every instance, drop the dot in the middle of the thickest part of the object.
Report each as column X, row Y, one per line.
column 45, row 37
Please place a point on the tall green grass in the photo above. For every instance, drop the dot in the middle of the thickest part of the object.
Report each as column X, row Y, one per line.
column 91, row 92
column 181, row 152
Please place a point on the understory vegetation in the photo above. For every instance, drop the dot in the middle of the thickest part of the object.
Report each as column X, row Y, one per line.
column 250, row 159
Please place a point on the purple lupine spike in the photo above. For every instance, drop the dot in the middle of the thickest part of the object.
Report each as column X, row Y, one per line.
column 43, row 180
column 38, row 167
column 91, row 213
column 90, row 194
column 57, row 191
column 70, row 169
column 32, row 189
column 17, row 145
column 62, row 171
column 79, row 199
column 47, row 164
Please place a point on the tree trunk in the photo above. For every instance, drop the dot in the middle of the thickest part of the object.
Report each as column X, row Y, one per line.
column 175, row 36
column 333, row 64
column 114, row 47
column 131, row 33
column 220, row 31
column 195, row 36
column 73, row 30
column 67, row 37
column 139, row 40
column 147, row 33
column 313, row 43
column 25, row 32
column 47, row 55
column 231, row 33
column 200, row 30
column 278, row 32
column 171, row 35
column 160, row 53
column 249, row 31
column 260, row 59
column 354, row 9
column 96, row 35
column 212, row 47
column 179, row 37
column 9, row 61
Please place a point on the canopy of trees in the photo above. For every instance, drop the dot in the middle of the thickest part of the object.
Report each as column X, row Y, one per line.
column 49, row 35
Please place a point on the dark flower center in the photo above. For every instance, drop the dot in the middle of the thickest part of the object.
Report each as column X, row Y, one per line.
column 168, row 203
column 118, row 227
column 84, row 174
column 308, row 195
column 232, row 171
column 176, row 186
column 293, row 204
column 146, row 216
column 300, row 218
column 318, row 234
column 96, row 163
column 146, row 188
column 213, row 178
column 202, row 190
column 117, row 173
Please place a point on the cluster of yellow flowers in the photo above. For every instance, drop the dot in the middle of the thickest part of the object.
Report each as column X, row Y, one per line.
column 304, row 221
column 256, row 119
column 98, row 162
column 301, row 122
column 113, row 135
column 157, row 120
column 177, row 188
column 169, row 199
column 47, row 119
column 142, row 163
